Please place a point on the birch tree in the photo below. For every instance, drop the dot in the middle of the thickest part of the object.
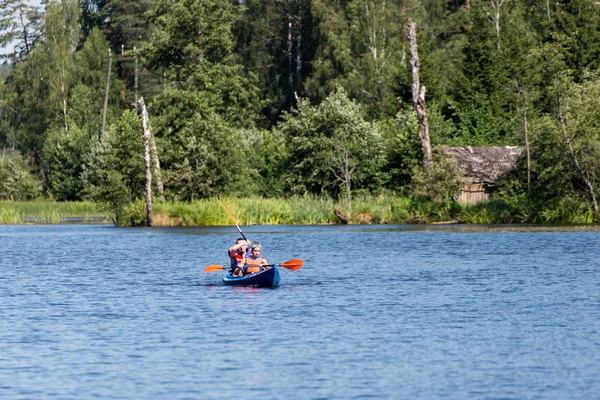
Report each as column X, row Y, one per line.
column 62, row 37
column 492, row 8
column 360, row 49
column 418, row 94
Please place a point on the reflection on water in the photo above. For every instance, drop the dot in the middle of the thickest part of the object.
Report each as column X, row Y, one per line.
column 383, row 311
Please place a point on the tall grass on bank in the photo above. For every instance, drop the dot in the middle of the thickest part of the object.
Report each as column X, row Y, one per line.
column 18, row 212
column 567, row 211
column 301, row 210
column 297, row 210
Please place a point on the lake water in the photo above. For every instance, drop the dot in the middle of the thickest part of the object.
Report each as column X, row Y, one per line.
column 380, row 312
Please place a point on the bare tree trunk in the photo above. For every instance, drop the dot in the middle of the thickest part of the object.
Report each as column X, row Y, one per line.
column 548, row 10
column 64, row 103
column 522, row 92
column 418, row 94
column 377, row 54
column 526, row 133
column 135, row 77
column 159, row 183
column 343, row 170
column 403, row 57
column 147, row 135
column 123, row 77
column 289, row 51
column 106, row 95
column 299, row 54
column 348, row 193
column 573, row 156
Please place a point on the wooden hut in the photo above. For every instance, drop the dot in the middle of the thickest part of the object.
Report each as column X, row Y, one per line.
column 481, row 167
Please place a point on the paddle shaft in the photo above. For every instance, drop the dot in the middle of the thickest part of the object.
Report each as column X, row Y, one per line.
column 233, row 220
column 291, row 265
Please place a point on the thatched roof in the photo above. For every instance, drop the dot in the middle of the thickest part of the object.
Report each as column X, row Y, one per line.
column 484, row 164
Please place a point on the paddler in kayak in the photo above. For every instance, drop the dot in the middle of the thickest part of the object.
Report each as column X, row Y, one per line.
column 237, row 255
column 254, row 260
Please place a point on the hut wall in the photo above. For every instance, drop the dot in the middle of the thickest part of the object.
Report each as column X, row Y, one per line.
column 474, row 193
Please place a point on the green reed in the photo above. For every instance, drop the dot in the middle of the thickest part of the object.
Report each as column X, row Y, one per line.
column 297, row 210
column 10, row 215
column 18, row 212
column 385, row 208
column 567, row 211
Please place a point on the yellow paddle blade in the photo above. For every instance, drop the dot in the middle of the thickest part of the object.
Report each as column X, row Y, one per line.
column 292, row 265
column 214, row 268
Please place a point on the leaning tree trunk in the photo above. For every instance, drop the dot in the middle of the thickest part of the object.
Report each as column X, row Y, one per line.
column 147, row 135
column 418, row 94
column 526, row 133
column 159, row 184
column 106, row 96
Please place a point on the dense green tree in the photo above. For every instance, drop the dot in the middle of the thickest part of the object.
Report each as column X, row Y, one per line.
column 87, row 96
column 275, row 41
column 119, row 157
column 16, row 181
column 24, row 104
column 114, row 171
column 575, row 26
column 193, row 45
column 440, row 182
column 361, row 48
column 201, row 154
column 403, row 149
column 332, row 146
column 62, row 157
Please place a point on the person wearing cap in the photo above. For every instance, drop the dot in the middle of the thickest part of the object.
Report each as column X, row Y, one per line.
column 254, row 259
column 237, row 255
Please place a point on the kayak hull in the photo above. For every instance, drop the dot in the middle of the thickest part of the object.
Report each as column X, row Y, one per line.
column 268, row 278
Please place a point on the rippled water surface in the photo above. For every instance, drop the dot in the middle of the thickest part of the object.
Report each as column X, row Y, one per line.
column 383, row 312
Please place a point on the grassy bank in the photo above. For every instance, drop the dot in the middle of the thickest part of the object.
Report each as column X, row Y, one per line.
column 49, row 212
column 299, row 210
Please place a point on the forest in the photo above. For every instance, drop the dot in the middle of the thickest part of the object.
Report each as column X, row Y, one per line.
column 302, row 99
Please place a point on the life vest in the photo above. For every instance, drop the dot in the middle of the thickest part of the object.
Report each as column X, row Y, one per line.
column 255, row 261
column 236, row 259
column 254, row 264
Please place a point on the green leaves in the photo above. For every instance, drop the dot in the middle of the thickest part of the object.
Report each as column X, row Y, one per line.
column 16, row 181
column 62, row 157
column 190, row 35
column 440, row 182
column 114, row 171
column 201, row 154
column 318, row 137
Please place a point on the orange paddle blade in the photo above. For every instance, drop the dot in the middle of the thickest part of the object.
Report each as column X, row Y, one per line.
column 292, row 265
column 214, row 268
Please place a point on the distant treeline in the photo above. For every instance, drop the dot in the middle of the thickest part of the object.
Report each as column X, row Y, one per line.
column 293, row 98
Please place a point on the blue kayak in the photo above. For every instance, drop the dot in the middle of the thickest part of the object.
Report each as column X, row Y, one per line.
column 268, row 278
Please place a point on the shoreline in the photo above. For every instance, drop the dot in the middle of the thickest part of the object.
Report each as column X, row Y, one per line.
column 384, row 209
